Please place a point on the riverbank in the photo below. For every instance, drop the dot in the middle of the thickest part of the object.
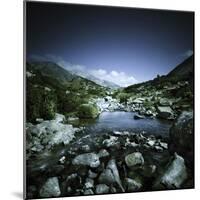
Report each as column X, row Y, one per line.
column 110, row 162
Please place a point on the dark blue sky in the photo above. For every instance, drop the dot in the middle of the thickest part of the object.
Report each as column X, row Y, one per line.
column 140, row 43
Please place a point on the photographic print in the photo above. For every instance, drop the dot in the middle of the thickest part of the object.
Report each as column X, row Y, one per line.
column 109, row 100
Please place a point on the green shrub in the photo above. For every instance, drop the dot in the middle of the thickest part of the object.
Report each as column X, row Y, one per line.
column 88, row 111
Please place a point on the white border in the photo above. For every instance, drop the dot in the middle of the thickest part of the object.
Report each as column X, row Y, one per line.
column 11, row 99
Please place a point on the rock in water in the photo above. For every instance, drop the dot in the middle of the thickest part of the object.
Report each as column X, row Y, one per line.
column 174, row 176
column 89, row 159
column 111, row 175
column 50, row 188
column 182, row 137
column 134, row 160
column 165, row 112
column 101, row 189
column 137, row 116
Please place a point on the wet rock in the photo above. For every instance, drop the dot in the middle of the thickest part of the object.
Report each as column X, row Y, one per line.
column 111, row 175
column 137, row 116
column 165, row 112
column 134, row 160
column 132, row 185
column 182, row 137
column 101, row 189
column 88, row 159
column 174, row 176
column 103, row 153
column 50, row 188
column 88, row 192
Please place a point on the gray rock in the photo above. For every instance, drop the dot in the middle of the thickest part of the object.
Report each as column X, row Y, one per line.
column 88, row 192
column 89, row 183
column 132, row 185
column 101, row 189
column 151, row 142
column 51, row 188
column 111, row 175
column 137, row 116
column 49, row 133
column 174, row 176
column 158, row 148
column 91, row 174
column 163, row 145
column 113, row 189
column 165, row 102
column 111, row 142
column 85, row 148
column 134, row 160
column 103, row 153
column 165, row 112
column 88, row 159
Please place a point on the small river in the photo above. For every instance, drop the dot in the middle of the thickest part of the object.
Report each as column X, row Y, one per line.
column 124, row 121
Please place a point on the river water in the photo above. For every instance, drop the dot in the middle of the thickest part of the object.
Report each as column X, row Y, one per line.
column 124, row 121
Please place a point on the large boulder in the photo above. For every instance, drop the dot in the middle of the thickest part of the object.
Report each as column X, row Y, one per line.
column 49, row 133
column 174, row 176
column 88, row 159
column 165, row 112
column 101, row 189
column 88, row 111
column 134, row 160
column 50, row 188
column 111, row 175
column 182, row 137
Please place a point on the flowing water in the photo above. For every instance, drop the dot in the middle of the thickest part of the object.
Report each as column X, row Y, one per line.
column 124, row 121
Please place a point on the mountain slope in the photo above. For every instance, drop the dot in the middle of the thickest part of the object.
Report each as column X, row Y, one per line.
column 50, row 89
column 182, row 72
column 185, row 69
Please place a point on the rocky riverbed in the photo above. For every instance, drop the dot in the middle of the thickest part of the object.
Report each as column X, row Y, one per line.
column 67, row 161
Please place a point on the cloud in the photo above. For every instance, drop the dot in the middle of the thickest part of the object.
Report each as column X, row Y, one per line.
column 188, row 53
column 119, row 78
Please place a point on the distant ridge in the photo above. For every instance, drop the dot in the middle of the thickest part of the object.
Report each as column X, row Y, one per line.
column 184, row 69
